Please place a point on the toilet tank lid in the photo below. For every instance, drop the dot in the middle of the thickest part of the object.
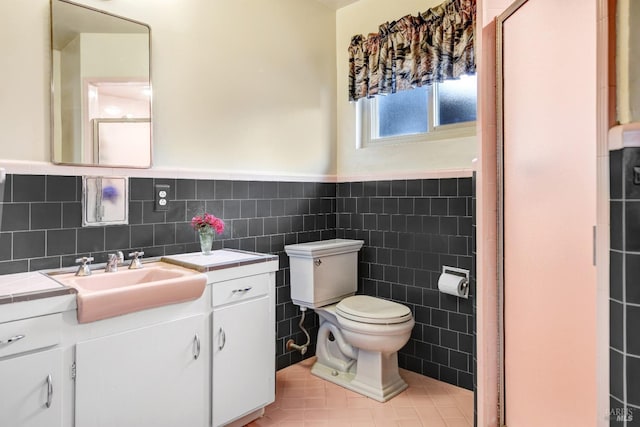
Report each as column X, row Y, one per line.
column 364, row 308
column 323, row 248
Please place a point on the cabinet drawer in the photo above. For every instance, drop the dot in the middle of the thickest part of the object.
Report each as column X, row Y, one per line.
column 239, row 289
column 30, row 334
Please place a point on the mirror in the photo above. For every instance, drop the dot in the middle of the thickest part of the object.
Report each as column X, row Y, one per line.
column 101, row 88
column 104, row 201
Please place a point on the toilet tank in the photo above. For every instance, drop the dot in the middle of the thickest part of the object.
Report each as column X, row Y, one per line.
column 323, row 272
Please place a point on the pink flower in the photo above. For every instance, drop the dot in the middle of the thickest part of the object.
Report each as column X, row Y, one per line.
column 207, row 221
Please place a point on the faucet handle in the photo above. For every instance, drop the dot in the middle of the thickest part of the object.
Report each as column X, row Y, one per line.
column 135, row 262
column 83, row 269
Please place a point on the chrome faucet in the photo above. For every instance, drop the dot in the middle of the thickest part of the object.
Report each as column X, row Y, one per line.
column 135, row 261
column 113, row 262
column 83, row 269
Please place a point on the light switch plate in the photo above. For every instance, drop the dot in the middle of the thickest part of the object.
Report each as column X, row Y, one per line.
column 161, row 197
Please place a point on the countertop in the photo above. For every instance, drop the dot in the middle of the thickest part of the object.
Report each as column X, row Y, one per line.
column 219, row 259
column 36, row 285
column 29, row 286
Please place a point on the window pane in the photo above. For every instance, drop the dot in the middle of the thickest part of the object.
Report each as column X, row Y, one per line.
column 457, row 101
column 402, row 113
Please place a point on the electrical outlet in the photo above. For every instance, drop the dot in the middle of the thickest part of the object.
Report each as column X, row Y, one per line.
column 161, row 197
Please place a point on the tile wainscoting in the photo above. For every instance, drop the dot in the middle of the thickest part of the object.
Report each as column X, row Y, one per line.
column 624, row 295
column 411, row 228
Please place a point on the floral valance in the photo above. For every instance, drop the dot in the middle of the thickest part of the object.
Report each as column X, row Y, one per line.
column 414, row 51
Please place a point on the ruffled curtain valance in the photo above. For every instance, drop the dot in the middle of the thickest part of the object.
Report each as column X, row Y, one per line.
column 414, row 51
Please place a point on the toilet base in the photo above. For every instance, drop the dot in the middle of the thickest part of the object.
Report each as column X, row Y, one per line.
column 378, row 379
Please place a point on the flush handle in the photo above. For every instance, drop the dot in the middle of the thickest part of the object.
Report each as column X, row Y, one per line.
column 317, row 262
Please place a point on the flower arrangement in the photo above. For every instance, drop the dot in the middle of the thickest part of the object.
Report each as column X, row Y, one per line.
column 207, row 221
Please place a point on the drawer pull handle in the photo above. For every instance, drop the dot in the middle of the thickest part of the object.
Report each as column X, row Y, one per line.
column 49, row 391
column 222, row 339
column 243, row 290
column 196, row 342
column 13, row 339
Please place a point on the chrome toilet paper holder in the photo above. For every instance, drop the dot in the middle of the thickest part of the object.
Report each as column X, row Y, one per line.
column 461, row 272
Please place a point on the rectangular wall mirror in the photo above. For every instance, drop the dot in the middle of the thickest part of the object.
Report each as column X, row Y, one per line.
column 101, row 88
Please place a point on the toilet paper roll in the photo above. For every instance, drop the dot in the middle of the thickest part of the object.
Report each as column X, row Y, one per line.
column 453, row 285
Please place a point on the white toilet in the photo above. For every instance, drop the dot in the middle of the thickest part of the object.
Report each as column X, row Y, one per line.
column 359, row 336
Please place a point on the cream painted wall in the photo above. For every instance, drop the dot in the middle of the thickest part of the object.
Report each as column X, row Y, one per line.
column 24, row 72
column 114, row 56
column 397, row 161
column 239, row 86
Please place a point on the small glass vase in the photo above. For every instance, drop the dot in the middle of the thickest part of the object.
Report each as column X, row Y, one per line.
column 206, row 240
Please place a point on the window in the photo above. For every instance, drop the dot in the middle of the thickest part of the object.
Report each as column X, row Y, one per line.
column 439, row 111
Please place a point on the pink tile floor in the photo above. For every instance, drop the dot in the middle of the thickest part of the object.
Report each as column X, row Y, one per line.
column 303, row 400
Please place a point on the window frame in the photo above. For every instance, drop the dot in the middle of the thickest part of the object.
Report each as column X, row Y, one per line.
column 367, row 121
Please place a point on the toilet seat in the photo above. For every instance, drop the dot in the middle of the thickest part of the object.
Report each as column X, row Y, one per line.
column 375, row 311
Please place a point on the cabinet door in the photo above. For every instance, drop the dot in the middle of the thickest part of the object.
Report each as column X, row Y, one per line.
column 243, row 358
column 144, row 377
column 550, row 282
column 27, row 384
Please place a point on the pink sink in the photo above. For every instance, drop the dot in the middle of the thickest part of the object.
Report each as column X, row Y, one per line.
column 102, row 295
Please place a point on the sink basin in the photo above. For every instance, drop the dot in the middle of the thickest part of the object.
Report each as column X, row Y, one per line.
column 102, row 295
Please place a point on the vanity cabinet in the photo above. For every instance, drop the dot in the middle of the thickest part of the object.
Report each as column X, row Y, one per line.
column 152, row 376
column 30, row 372
column 243, row 347
column 30, row 390
column 203, row 362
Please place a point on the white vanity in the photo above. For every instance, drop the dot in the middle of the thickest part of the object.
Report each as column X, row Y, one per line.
column 207, row 361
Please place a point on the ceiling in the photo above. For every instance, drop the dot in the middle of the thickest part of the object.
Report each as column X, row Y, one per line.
column 337, row 4
column 72, row 19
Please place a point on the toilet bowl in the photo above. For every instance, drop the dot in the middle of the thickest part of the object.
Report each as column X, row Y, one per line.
column 361, row 354
column 359, row 336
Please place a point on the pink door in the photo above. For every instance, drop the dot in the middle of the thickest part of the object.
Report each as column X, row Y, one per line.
column 549, row 170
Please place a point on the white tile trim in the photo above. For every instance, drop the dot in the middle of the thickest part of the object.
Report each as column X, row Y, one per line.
column 627, row 135
column 47, row 168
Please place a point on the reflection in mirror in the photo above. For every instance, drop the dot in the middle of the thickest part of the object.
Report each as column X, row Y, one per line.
column 101, row 88
column 104, row 201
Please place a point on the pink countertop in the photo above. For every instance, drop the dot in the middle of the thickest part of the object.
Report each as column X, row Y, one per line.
column 28, row 286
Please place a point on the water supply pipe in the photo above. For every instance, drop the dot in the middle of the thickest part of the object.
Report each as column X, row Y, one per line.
column 291, row 344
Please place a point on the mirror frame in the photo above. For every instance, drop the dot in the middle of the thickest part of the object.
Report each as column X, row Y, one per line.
column 52, row 126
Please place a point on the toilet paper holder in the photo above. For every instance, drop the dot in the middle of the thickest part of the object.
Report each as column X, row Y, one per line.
column 460, row 272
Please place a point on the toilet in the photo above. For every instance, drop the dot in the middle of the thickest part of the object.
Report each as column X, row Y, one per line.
column 359, row 335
